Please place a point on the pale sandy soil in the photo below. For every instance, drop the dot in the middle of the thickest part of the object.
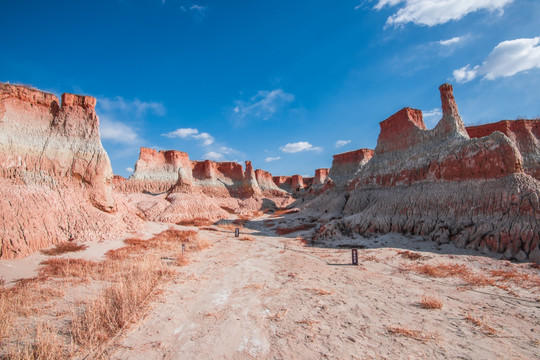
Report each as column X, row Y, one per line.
column 275, row 298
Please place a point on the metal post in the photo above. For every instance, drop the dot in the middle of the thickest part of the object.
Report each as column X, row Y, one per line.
column 354, row 253
column 237, row 232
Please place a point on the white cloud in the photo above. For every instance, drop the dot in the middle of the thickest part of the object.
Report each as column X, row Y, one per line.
column 114, row 115
column 132, row 107
column 431, row 117
column 198, row 10
column 451, row 41
column 264, row 104
column 298, row 147
column 129, row 169
column 506, row 59
column 190, row 133
column 212, row 155
column 270, row 158
column 341, row 143
column 117, row 131
column 434, row 12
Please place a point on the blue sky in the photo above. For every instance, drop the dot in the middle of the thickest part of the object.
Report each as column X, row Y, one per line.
column 286, row 84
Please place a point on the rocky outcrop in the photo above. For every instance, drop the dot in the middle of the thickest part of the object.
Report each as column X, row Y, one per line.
column 267, row 185
column 292, row 184
column 346, row 165
column 156, row 171
column 56, row 178
column 320, row 176
column 441, row 184
column 524, row 133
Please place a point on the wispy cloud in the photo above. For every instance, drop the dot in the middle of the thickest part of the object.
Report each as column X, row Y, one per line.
column 431, row 13
column 506, row 59
column 117, row 115
column 213, row 155
column 129, row 169
column 190, row 133
column 431, row 117
column 263, row 105
column 341, row 143
column 270, row 158
column 298, row 147
column 451, row 41
column 117, row 131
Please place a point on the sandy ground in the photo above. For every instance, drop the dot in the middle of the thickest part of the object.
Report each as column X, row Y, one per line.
column 274, row 298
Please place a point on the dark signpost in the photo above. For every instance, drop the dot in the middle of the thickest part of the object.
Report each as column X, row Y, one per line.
column 237, row 232
column 354, row 254
column 183, row 249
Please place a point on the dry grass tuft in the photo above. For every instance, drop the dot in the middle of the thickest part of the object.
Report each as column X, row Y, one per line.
column 195, row 222
column 431, row 302
column 317, row 291
column 229, row 226
column 246, row 238
column 288, row 230
column 118, row 304
column 280, row 212
column 6, row 316
column 46, row 345
column 409, row 255
column 254, row 286
column 453, row 270
column 479, row 322
column 410, row 333
column 525, row 280
column 63, row 248
column 278, row 316
column 2, row 282
column 182, row 260
column 302, row 240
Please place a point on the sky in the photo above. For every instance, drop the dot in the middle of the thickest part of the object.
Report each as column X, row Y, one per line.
column 283, row 83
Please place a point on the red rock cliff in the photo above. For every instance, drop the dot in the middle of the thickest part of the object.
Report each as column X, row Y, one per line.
column 346, row 165
column 56, row 178
column 524, row 133
column 443, row 185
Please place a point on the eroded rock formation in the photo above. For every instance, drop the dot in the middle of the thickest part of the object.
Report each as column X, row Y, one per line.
column 346, row 165
column 441, row 184
column 55, row 176
column 524, row 133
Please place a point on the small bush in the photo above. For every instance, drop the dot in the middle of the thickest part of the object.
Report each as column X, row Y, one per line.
column 63, row 248
column 410, row 333
column 285, row 231
column 430, row 302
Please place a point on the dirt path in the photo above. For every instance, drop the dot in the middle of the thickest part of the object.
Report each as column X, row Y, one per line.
column 272, row 298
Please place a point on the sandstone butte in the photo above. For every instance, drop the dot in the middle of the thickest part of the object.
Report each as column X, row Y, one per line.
column 477, row 187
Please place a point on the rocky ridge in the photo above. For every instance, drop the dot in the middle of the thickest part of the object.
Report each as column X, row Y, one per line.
column 441, row 184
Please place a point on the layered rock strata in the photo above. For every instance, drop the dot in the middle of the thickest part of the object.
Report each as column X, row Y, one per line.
column 55, row 176
column 346, row 165
column 441, row 184
column 524, row 133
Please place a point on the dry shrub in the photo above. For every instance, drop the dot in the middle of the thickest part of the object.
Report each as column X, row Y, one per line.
column 320, row 291
column 525, row 280
column 207, row 228
column 286, row 230
column 119, row 303
column 22, row 299
column 80, row 268
column 46, row 345
column 430, row 302
column 63, row 248
column 278, row 316
column 302, row 240
column 6, row 316
column 246, row 238
column 479, row 322
column 229, row 226
column 195, row 222
column 409, row 255
column 410, row 333
column 2, row 282
column 182, row 260
column 254, row 286
column 453, row 270
column 280, row 212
